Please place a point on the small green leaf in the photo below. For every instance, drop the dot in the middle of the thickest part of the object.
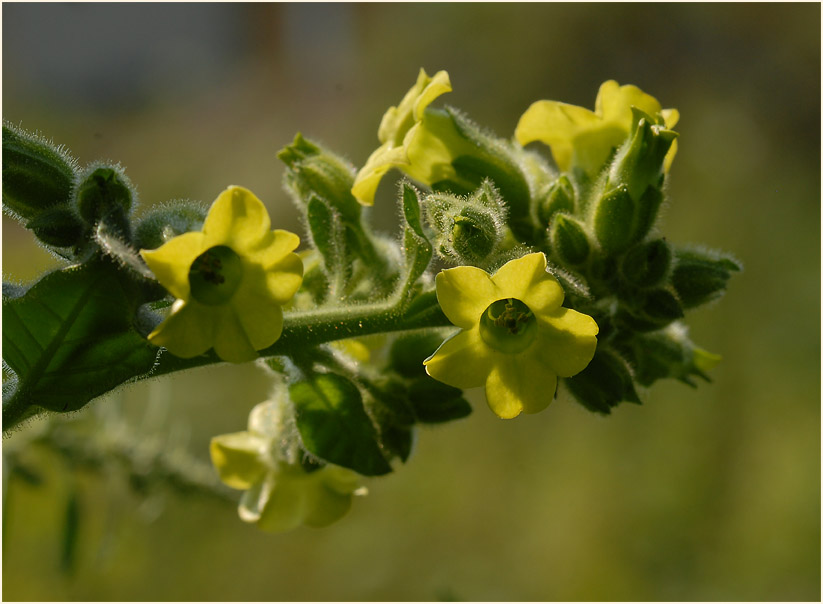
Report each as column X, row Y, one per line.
column 416, row 247
column 70, row 338
column 434, row 402
column 334, row 425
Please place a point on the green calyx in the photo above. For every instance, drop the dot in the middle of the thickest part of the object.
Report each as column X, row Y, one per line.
column 215, row 275
column 508, row 326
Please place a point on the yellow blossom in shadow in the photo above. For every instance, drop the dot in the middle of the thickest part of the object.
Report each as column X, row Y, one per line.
column 279, row 495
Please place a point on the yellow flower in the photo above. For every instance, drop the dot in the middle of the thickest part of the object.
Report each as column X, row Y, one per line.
column 279, row 496
column 583, row 138
column 230, row 281
column 515, row 337
column 420, row 143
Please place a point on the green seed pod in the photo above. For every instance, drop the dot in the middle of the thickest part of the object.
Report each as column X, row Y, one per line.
column 614, row 220
column 604, row 383
column 558, row 198
column 569, row 240
column 104, row 190
column 638, row 164
column 37, row 174
column 58, row 226
column 163, row 223
column 700, row 277
column 315, row 170
column 646, row 264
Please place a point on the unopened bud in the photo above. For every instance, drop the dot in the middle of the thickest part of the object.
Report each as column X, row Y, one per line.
column 569, row 240
column 37, row 174
column 646, row 264
column 166, row 222
column 558, row 198
column 104, row 191
column 604, row 383
column 639, row 162
column 700, row 277
column 58, row 226
column 614, row 220
column 315, row 170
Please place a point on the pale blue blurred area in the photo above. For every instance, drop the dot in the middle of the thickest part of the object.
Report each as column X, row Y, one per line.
column 700, row 494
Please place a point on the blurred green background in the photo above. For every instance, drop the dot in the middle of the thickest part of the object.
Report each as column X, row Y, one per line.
column 706, row 494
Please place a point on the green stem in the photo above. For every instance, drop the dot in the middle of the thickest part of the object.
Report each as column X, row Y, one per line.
column 303, row 329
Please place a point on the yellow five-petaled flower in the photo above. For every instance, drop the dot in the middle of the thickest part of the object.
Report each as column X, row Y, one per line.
column 230, row 281
column 515, row 337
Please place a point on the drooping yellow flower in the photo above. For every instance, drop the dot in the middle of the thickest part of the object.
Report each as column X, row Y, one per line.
column 279, row 496
column 584, row 138
column 230, row 281
column 515, row 338
column 420, row 143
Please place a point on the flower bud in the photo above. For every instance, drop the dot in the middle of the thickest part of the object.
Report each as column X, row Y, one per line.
column 313, row 169
column 650, row 311
column 468, row 229
column 104, row 191
column 639, row 162
column 646, row 264
column 558, row 198
column 166, row 222
column 604, row 383
column 58, row 226
column 569, row 240
column 37, row 174
column 669, row 353
column 701, row 276
column 614, row 220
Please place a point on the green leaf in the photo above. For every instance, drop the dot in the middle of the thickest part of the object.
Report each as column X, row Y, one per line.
column 416, row 247
column 334, row 425
column 434, row 402
column 69, row 339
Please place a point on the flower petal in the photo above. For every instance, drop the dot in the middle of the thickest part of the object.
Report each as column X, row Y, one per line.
column 172, row 261
column 266, row 419
column 188, row 331
column 237, row 218
column 566, row 341
column 464, row 293
column 238, row 458
column 231, row 342
column 518, row 383
column 262, row 322
column 556, row 124
column 462, row 361
column 272, row 248
column 614, row 103
column 286, row 506
column 368, row 178
column 398, row 120
column 527, row 280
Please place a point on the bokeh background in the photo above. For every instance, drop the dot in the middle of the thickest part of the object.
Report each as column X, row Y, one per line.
column 699, row 494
